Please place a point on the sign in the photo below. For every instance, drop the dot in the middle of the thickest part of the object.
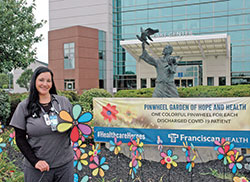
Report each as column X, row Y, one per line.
column 173, row 34
column 197, row 120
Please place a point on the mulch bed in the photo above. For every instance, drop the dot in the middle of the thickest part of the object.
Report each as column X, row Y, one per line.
column 150, row 171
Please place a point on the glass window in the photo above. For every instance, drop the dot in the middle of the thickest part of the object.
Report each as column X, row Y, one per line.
column 69, row 56
column 69, row 84
column 207, row 7
column 152, row 82
column 183, row 83
column 222, row 21
column 220, row 6
column 177, row 83
column 236, row 20
column 207, row 22
column 193, row 25
column 143, row 83
column 193, row 11
column 190, row 83
column 210, row 81
column 236, row 4
column 222, row 81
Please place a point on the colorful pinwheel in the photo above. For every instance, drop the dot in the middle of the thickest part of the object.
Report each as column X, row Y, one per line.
column 76, row 122
column 234, row 162
column 136, row 145
column 84, row 179
column 159, row 142
column 226, row 151
column 115, row 146
column 169, row 159
column 1, row 127
column 238, row 179
column 109, row 112
column 79, row 146
column 221, row 143
column 12, row 138
column 80, row 159
column 187, row 149
column 134, row 164
column 2, row 145
column 94, row 153
column 99, row 167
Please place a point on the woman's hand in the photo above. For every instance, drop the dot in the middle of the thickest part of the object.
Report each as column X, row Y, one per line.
column 42, row 166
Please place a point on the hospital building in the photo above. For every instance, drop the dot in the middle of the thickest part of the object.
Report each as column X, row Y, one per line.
column 93, row 44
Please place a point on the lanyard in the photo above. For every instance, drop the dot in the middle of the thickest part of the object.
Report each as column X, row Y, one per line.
column 52, row 109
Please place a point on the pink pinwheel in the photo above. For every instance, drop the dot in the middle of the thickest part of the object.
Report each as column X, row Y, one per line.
column 234, row 161
column 99, row 167
column 109, row 112
column 169, row 159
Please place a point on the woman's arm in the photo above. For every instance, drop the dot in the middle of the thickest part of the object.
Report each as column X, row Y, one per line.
column 27, row 151
column 25, row 147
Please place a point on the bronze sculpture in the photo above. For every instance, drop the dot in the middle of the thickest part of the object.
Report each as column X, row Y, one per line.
column 165, row 68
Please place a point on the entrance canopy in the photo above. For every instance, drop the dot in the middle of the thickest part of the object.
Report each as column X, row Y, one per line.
column 186, row 46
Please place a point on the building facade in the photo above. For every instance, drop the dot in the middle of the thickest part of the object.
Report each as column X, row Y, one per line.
column 176, row 18
column 73, row 57
column 89, row 14
column 121, row 20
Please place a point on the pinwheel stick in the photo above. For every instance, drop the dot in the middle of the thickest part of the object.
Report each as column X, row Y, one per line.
column 192, row 176
column 224, row 176
column 169, row 176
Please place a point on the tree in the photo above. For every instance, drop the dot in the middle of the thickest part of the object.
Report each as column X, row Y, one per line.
column 18, row 28
column 24, row 80
column 4, row 80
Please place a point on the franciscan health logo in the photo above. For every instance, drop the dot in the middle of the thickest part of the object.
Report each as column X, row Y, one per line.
column 175, row 138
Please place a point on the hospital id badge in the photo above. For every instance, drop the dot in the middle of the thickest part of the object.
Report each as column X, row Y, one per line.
column 46, row 119
column 54, row 122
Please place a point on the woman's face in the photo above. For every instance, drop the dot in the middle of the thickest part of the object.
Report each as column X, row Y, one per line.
column 44, row 83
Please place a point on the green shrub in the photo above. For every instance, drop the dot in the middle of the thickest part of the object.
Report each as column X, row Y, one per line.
column 215, row 91
column 4, row 106
column 5, row 86
column 144, row 92
column 71, row 95
column 15, row 99
column 198, row 91
column 86, row 99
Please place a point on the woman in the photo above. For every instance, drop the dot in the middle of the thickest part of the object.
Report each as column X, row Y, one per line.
column 48, row 153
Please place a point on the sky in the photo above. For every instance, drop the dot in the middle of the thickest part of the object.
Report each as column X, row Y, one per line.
column 42, row 12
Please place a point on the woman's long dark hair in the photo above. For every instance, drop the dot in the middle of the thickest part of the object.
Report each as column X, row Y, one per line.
column 33, row 100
